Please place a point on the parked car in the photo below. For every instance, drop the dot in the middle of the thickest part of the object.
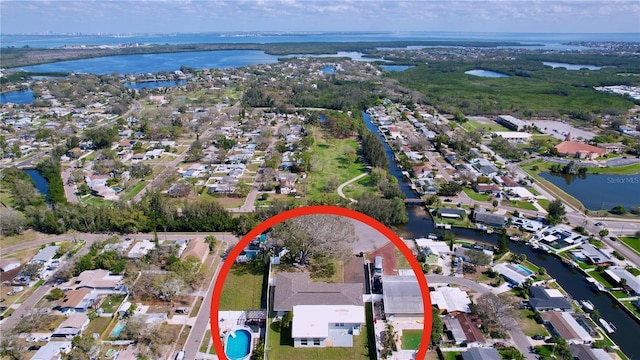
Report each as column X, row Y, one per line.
column 538, row 337
column 32, row 339
column 599, row 224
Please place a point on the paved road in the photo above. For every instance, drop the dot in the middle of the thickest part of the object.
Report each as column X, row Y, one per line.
column 519, row 338
column 69, row 189
column 341, row 187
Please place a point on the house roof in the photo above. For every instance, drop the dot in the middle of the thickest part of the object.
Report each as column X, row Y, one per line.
column 488, row 218
column 401, row 295
column 586, row 352
column 453, row 325
column 566, row 326
column 46, row 254
column 470, row 329
column 509, row 182
column 75, row 321
column 8, row 262
column 511, row 272
column 312, row 321
column 75, row 298
column 542, row 298
column 296, row 288
column 450, row 299
column 52, row 350
column 487, row 187
column 481, row 354
column 196, row 248
column 574, row 147
column 98, row 279
column 618, row 274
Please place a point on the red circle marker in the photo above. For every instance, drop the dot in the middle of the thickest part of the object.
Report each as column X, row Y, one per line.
column 326, row 210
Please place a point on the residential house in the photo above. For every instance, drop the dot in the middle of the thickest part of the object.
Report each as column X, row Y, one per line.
column 451, row 213
column 46, row 255
column 543, row 299
column 101, row 281
column 483, row 216
column 196, row 248
column 592, row 255
column 471, row 329
column 79, row 300
column 520, row 193
column 286, row 183
column 402, row 296
column 624, row 278
column 513, row 273
column 481, row 354
column 8, row 264
column 296, row 288
column 565, row 325
column 433, row 246
column 508, row 182
column 326, row 325
column 450, row 300
column 586, row 352
column 140, row 249
column 487, row 188
column 52, row 350
column 74, row 325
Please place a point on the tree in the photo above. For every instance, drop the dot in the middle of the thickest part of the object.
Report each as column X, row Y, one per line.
column 542, row 271
column 350, row 155
column 494, row 310
column 503, row 246
column 314, row 235
column 449, row 189
column 212, row 241
column 195, row 152
column 618, row 210
column 31, row 269
column 478, row 257
column 287, row 318
column 437, row 326
column 494, row 203
column 602, row 233
column 55, row 294
column 556, row 211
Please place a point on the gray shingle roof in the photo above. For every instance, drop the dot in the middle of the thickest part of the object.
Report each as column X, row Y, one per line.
column 481, row 354
column 540, row 300
column 296, row 288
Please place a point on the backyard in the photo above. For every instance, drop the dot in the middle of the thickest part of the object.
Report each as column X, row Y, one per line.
column 411, row 339
column 242, row 288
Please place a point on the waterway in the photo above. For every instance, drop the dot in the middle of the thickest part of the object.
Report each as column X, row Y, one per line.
column 398, row 68
column 17, row 97
column 41, row 183
column 420, row 225
column 486, row 73
column 570, row 66
column 153, row 84
column 599, row 191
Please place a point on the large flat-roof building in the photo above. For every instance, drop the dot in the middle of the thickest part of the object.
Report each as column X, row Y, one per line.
column 514, row 136
column 511, row 122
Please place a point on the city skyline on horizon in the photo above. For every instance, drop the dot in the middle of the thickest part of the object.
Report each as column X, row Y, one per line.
column 286, row 16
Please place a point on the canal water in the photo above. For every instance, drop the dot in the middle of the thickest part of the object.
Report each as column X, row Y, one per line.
column 41, row 183
column 420, row 225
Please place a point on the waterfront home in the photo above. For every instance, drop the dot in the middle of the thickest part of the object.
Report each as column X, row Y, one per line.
column 527, row 224
column 543, row 299
column 450, row 300
column 513, row 273
column 565, row 325
column 326, row 325
column 586, row 352
column 452, row 213
column 624, row 278
column 592, row 255
column 433, row 247
column 483, row 216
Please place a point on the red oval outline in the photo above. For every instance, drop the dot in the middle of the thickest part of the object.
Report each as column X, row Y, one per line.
column 311, row 210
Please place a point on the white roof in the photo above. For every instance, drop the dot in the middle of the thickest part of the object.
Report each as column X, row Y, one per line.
column 506, row 270
column 621, row 273
column 51, row 350
column 554, row 293
column 521, row 192
column 581, row 333
column 436, row 247
column 312, row 321
column 450, row 299
column 513, row 134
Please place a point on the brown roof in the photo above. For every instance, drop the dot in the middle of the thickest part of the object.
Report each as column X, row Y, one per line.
column 470, row 329
column 73, row 298
column 559, row 324
column 98, row 278
column 575, row 147
column 196, row 248
column 509, row 182
column 75, row 321
column 296, row 288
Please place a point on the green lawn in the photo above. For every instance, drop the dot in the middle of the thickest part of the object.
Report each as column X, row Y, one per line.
column 619, row 170
column 520, row 204
column 242, row 289
column 411, row 339
column 281, row 347
column 490, row 126
column 598, row 276
column 98, row 325
column 133, row 191
column 329, row 163
column 111, row 303
column 476, row 196
column 544, row 203
column 402, row 261
column 632, row 242
column 528, row 324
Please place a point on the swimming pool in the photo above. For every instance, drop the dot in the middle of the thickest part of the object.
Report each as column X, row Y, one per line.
column 117, row 330
column 237, row 345
column 524, row 269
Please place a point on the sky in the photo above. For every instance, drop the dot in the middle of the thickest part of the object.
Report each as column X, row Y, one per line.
column 188, row 16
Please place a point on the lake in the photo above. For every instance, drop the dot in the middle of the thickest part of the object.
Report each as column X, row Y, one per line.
column 151, row 63
column 395, row 67
column 17, row 97
column 329, row 70
column 570, row 66
column 153, row 84
column 486, row 73
column 599, row 191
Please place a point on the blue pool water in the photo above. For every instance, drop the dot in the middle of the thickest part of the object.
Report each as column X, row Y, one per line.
column 524, row 269
column 117, row 330
column 238, row 347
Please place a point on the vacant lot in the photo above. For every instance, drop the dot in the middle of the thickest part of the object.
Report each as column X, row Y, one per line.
column 242, row 288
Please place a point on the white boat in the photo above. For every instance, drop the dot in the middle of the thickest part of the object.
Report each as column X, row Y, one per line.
column 607, row 326
column 489, row 231
column 587, row 305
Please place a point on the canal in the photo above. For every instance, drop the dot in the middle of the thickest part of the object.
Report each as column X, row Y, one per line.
column 420, row 225
column 41, row 183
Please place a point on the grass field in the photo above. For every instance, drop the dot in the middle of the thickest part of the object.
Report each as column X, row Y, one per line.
column 111, row 303
column 520, row 204
column 544, row 203
column 528, row 324
column 242, row 289
column 98, row 325
column 133, row 191
column 411, row 339
column 281, row 347
column 620, row 170
column 632, row 242
column 476, row 196
column 490, row 126
column 329, row 163
column 401, row 260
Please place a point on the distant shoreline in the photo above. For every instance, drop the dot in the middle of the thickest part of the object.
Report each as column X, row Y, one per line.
column 19, row 57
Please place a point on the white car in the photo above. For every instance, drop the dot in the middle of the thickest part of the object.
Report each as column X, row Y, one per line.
column 32, row 339
column 45, row 338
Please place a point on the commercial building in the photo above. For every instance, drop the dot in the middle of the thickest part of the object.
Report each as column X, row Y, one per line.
column 511, row 122
column 514, row 136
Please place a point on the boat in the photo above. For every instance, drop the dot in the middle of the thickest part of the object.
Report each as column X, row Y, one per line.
column 515, row 238
column 489, row 231
column 609, row 328
column 587, row 305
column 595, row 284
